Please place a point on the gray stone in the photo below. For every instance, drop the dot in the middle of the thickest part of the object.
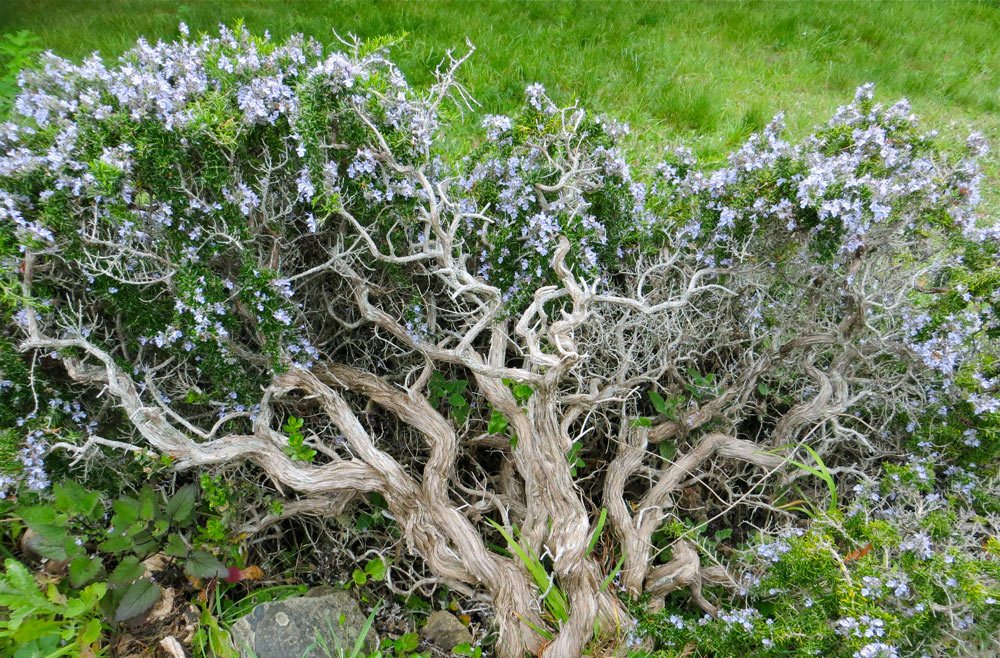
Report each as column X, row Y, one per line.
column 444, row 631
column 292, row 628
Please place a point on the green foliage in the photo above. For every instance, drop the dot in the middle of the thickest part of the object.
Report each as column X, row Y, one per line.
column 404, row 646
column 852, row 579
column 217, row 612
column 529, row 225
column 73, row 526
column 674, row 79
column 700, row 387
column 822, row 472
column 521, row 392
column 138, row 597
column 211, row 639
column 181, row 506
column 695, row 532
column 374, row 569
column 573, row 457
column 466, row 649
column 296, row 448
column 41, row 622
column 498, row 423
column 376, row 518
column 451, row 393
column 668, row 408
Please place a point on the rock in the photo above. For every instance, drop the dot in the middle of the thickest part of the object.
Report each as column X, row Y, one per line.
column 280, row 629
column 172, row 647
column 155, row 563
column 31, row 545
column 56, row 567
column 162, row 608
column 444, row 631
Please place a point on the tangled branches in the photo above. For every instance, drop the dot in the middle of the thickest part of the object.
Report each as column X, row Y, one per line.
column 222, row 233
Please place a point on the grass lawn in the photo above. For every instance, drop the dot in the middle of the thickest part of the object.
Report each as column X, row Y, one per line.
column 705, row 74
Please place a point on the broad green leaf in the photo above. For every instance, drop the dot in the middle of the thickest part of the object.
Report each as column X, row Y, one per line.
column 180, row 508
column 92, row 594
column 160, row 526
column 74, row 608
column 204, row 565
column 498, row 423
column 359, row 577
column 407, row 642
column 147, row 503
column 90, row 632
column 128, row 570
column 176, row 546
column 414, row 602
column 658, row 402
column 376, row 568
column 135, row 528
column 139, row 597
column 51, row 541
column 144, row 544
column 19, row 593
column 115, row 544
column 70, row 497
column 41, row 645
column 41, row 515
column 522, row 392
column 126, row 512
column 83, row 570
column 722, row 535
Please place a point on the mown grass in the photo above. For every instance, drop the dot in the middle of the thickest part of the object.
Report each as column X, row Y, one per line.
column 706, row 74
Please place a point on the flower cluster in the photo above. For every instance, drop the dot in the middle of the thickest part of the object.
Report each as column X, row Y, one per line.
column 862, row 178
column 30, row 463
column 25, row 445
column 898, row 572
column 525, row 171
column 126, row 166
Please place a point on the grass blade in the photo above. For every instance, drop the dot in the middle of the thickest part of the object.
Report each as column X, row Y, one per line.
column 597, row 531
column 614, row 572
column 822, row 472
column 359, row 644
column 555, row 600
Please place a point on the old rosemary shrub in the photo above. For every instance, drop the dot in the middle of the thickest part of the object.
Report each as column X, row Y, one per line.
column 229, row 249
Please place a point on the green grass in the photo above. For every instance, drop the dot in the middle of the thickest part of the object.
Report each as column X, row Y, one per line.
column 706, row 74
